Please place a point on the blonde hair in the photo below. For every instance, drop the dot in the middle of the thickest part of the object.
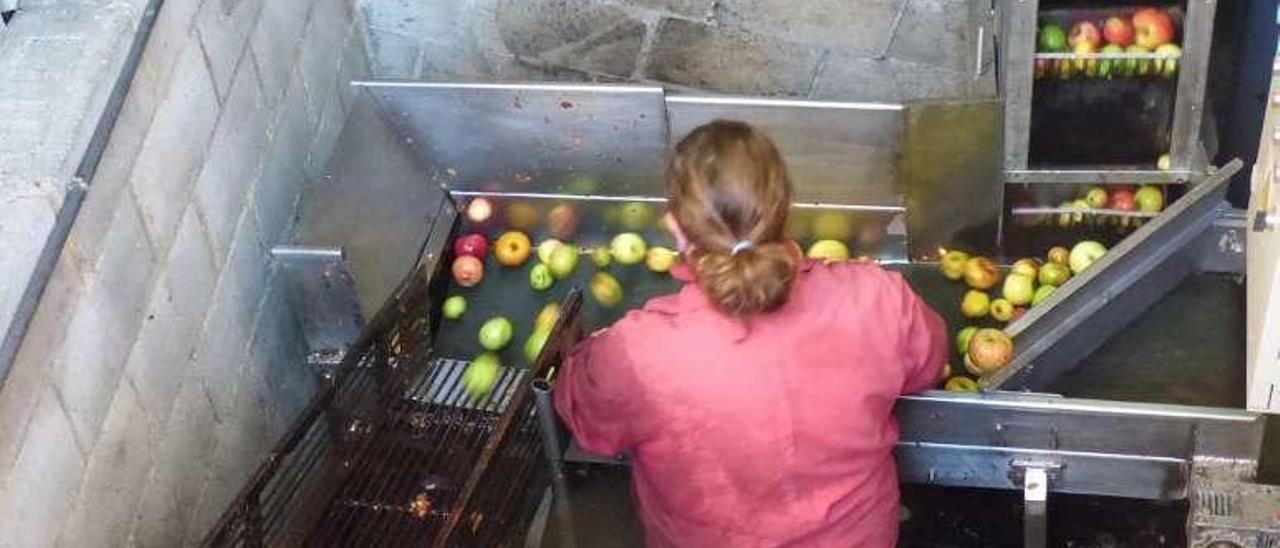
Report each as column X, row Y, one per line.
column 728, row 189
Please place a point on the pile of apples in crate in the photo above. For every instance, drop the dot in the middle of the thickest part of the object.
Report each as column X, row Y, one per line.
column 1128, row 37
column 1028, row 283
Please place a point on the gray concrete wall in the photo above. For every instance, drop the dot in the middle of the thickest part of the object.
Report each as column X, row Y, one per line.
column 818, row 49
column 161, row 363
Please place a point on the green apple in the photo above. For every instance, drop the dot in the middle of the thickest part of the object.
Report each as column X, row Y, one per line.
column 659, row 259
column 1096, row 197
column 636, row 216
column 1052, row 39
column 1084, row 254
column 832, row 225
column 628, row 248
column 1150, row 199
column 1108, row 67
column 976, row 304
column 480, row 376
column 1054, row 274
column 832, row 250
column 1002, row 309
column 533, row 345
column 454, row 307
column 546, row 248
column 1168, row 65
column 606, row 289
column 1137, row 67
column 1043, row 292
column 961, row 383
column 1164, row 162
column 1018, row 289
column 495, row 333
column 600, row 256
column 540, row 278
column 564, row 260
column 952, row 264
column 962, row 338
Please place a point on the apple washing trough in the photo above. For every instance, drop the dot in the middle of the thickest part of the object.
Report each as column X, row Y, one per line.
column 523, row 249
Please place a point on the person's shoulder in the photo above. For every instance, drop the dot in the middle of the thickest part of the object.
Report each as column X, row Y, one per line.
column 866, row 273
column 656, row 314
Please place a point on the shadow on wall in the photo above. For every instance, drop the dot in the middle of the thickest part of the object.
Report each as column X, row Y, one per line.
column 859, row 50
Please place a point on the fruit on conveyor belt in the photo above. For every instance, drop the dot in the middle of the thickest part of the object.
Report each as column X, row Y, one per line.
column 1133, row 32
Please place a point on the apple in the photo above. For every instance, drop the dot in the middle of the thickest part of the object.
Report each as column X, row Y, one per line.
column 1084, row 32
column 547, row 317
column 1096, row 197
column 976, row 304
column 1053, row 275
column 970, row 367
column 963, row 337
column 1167, row 66
column 832, row 225
column 1122, row 199
column 562, row 221
column 1043, row 292
column 981, row 273
column 1152, row 28
column 1018, row 288
column 454, row 307
column 1058, row 255
column 1042, row 68
column 961, row 383
column 1018, row 313
column 480, row 376
column 990, row 350
column 473, row 244
column 1001, row 310
column 533, row 345
column 564, row 260
column 1164, row 162
column 1109, row 67
column 831, row 250
column 512, row 248
column 636, row 216
column 659, row 259
column 1065, row 220
column 600, row 256
column 467, row 271
column 1137, row 67
column 952, row 264
column 1026, row 267
column 545, row 249
column 606, row 289
column 1089, row 67
column 1052, row 39
column 495, row 333
column 522, row 216
column 1118, row 31
column 1084, row 254
column 1150, row 199
column 628, row 248
column 540, row 278
column 479, row 211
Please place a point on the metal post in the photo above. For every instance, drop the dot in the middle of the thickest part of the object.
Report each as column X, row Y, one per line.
column 1192, row 77
column 1035, row 494
column 551, row 445
column 1018, row 45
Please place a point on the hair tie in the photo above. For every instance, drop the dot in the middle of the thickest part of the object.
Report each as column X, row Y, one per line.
column 742, row 245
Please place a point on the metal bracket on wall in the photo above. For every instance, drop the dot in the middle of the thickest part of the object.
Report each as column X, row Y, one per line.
column 324, row 298
column 1035, row 477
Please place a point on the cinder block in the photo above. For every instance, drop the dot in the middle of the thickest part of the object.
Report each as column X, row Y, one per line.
column 181, row 456
column 848, row 78
column 275, row 41
column 937, row 33
column 394, row 55
column 88, row 365
column 114, row 478
column 710, row 58
column 533, row 28
column 693, row 9
column 175, row 146
column 169, row 35
column 855, row 26
column 38, row 493
column 276, row 193
column 225, row 340
column 325, row 35
column 915, row 81
column 23, row 227
column 169, row 333
column 233, row 160
column 224, row 27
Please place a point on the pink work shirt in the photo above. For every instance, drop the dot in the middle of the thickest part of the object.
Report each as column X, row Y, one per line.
column 780, row 434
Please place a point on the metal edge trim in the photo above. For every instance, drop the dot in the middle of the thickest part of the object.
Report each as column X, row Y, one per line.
column 790, row 103
column 602, row 88
column 653, row 199
column 1053, row 402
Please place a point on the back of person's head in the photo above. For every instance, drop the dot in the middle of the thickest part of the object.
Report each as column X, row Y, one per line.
column 728, row 189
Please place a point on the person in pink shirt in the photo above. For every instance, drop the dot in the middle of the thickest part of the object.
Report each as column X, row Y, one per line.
column 756, row 402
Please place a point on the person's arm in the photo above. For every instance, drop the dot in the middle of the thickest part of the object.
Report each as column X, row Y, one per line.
column 597, row 396
column 923, row 342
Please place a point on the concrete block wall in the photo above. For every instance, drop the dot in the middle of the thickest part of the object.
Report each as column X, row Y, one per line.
column 852, row 50
column 162, row 363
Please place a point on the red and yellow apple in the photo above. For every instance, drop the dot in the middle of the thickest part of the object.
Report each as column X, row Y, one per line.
column 1117, row 31
column 1152, row 28
column 467, row 271
column 990, row 350
column 981, row 273
column 562, row 221
column 1027, row 267
column 512, row 248
column 606, row 289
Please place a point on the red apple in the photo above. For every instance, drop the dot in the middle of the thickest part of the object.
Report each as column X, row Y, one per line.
column 479, row 211
column 1117, row 30
column 473, row 244
column 467, row 271
column 1084, row 32
column 1153, row 28
column 990, row 349
column 1121, row 198
column 562, row 221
